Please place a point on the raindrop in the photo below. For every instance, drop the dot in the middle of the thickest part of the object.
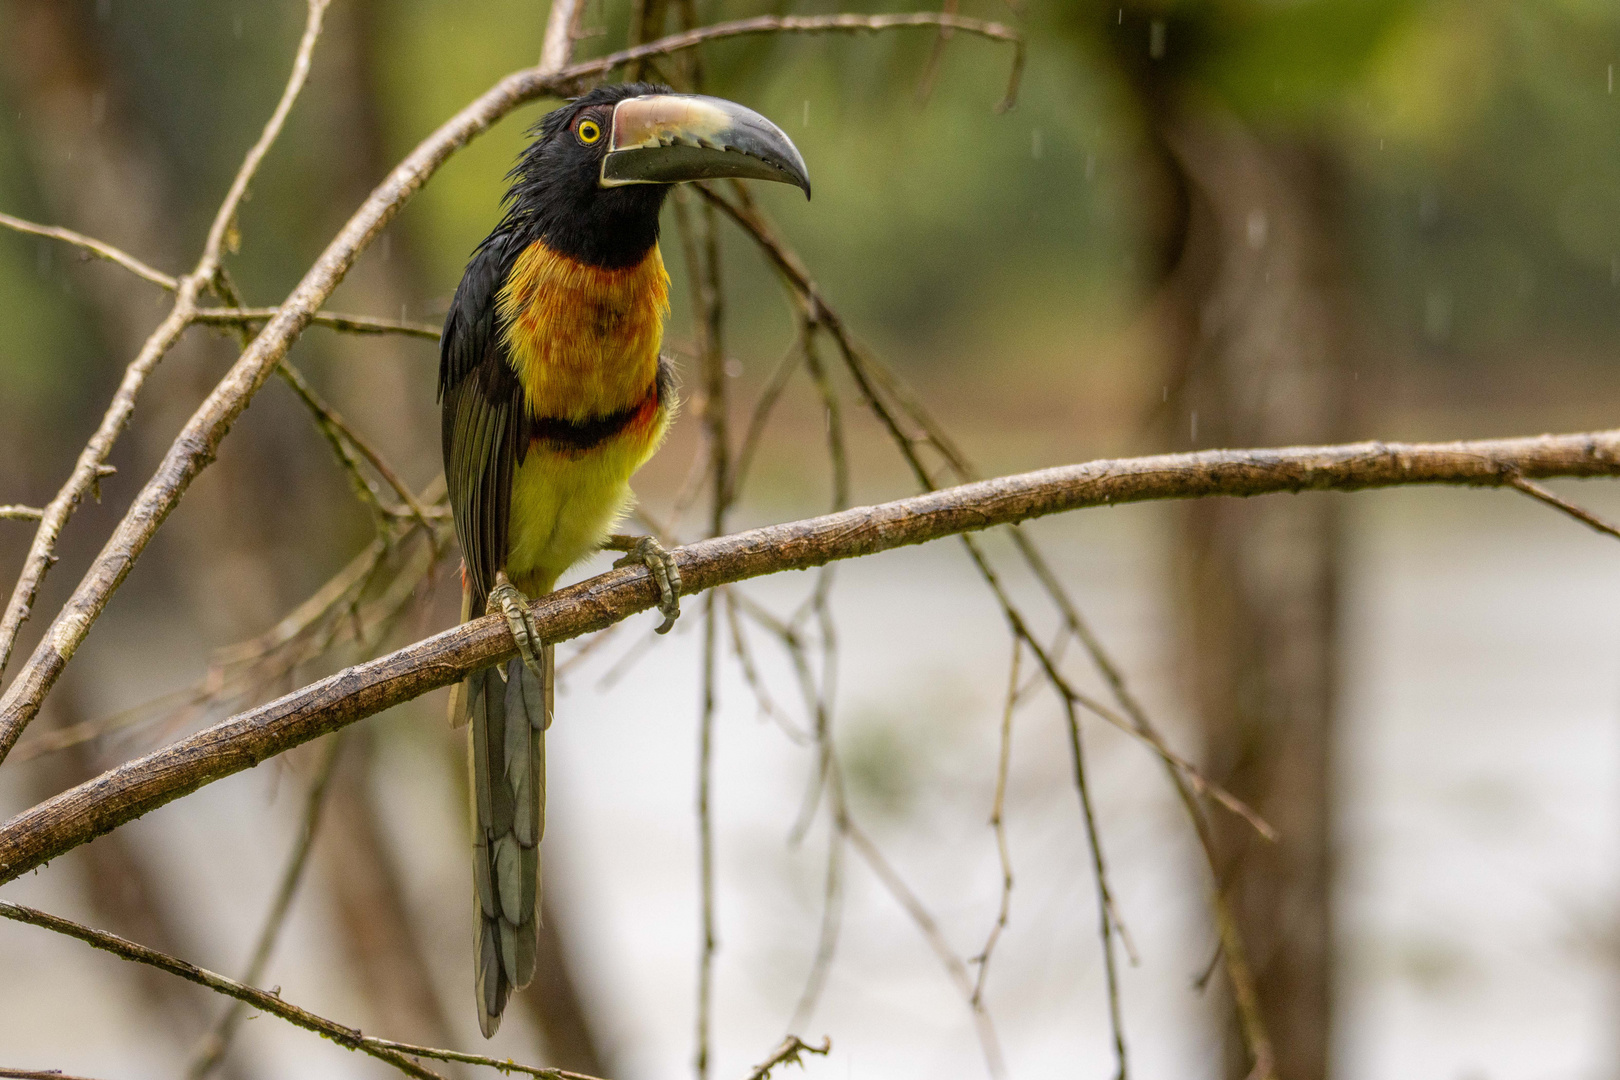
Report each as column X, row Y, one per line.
column 1428, row 207
column 1091, row 165
column 1256, row 229
column 1437, row 315
column 734, row 368
column 1035, row 144
column 1611, row 78
column 1166, row 395
column 1156, row 35
column 1121, row 20
column 806, row 112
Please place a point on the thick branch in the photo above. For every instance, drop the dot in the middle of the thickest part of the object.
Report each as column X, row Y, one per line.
column 99, row 805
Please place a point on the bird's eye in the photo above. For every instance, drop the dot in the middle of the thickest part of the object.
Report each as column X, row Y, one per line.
column 588, row 131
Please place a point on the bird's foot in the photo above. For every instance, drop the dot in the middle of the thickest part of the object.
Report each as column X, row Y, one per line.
column 660, row 564
column 510, row 602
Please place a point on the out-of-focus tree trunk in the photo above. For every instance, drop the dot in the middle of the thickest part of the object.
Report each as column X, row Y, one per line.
column 1257, row 580
column 1255, row 320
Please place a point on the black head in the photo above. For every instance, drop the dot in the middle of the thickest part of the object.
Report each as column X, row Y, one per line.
column 594, row 180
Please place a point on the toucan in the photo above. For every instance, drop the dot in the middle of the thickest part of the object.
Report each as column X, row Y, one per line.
column 554, row 392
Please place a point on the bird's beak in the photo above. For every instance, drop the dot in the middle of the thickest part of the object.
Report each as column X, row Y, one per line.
column 669, row 138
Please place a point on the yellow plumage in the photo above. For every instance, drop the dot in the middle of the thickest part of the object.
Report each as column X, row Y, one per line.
column 584, row 342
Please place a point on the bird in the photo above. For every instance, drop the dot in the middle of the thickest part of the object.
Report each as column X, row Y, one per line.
column 553, row 392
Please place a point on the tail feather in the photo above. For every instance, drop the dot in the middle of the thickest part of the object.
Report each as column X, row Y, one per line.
column 509, row 711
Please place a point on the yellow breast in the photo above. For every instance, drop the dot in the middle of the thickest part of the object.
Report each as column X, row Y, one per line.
column 584, row 340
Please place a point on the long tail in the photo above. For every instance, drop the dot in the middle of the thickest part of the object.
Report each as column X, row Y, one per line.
column 509, row 711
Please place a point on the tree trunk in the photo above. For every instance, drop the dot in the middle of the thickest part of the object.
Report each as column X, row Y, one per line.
column 1260, row 361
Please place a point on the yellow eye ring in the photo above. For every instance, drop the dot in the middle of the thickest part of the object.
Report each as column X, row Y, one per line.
column 589, row 131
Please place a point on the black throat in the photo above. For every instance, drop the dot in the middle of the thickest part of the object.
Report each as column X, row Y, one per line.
column 556, row 194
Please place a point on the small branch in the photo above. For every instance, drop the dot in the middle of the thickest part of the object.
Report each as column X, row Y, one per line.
column 349, row 1038
column 94, row 247
column 788, row 1054
column 998, row 825
column 352, row 324
column 505, row 1065
column 21, row 513
column 814, row 24
column 1536, row 491
column 141, row 785
column 562, row 24
column 1108, row 922
column 38, row 1074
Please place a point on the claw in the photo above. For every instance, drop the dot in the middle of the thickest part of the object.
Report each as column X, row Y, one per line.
column 515, row 607
column 660, row 564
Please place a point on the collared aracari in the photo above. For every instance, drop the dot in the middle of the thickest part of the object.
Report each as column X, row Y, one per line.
column 554, row 392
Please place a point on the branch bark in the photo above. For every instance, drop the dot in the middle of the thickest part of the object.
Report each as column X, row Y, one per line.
column 136, row 787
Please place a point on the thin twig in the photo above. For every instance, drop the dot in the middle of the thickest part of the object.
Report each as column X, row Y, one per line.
column 788, row 1054
column 347, row 1037
column 21, row 513
column 1108, row 924
column 998, row 808
column 95, row 247
column 353, row 324
column 816, row 24
column 37, row 1074
column 1536, row 491
column 210, row 1049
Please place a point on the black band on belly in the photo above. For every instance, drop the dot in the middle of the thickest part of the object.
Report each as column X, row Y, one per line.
column 582, row 435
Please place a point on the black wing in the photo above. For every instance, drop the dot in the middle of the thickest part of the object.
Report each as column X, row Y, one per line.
column 485, row 423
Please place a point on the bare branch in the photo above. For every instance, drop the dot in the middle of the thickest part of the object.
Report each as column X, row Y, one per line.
column 1536, row 491
column 21, row 513
column 353, row 324
column 144, row 784
column 94, row 247
column 814, row 24
column 37, row 1074
column 562, row 25
column 1108, row 922
column 349, row 1038
column 788, row 1054
column 224, row 225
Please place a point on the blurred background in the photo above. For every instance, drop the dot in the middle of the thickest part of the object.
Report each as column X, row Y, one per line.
column 1222, row 223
